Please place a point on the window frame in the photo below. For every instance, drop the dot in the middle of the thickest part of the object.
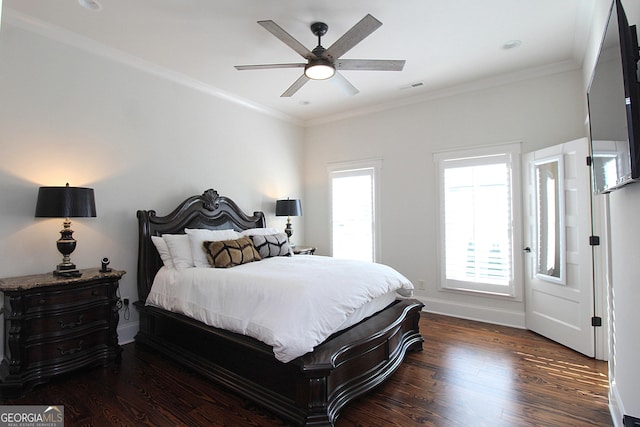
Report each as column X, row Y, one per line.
column 509, row 154
column 348, row 167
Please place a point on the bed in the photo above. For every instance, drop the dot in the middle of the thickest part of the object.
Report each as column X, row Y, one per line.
column 310, row 389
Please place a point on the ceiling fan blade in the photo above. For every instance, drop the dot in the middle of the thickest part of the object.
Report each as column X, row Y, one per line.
column 268, row 66
column 355, row 35
column 344, row 84
column 295, row 86
column 286, row 38
column 370, row 64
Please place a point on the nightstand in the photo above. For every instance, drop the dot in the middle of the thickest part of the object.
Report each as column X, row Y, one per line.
column 54, row 325
column 304, row 250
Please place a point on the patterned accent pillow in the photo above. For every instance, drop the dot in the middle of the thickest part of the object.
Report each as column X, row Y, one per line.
column 229, row 253
column 272, row 245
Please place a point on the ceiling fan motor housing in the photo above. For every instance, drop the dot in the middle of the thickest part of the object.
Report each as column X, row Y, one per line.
column 318, row 51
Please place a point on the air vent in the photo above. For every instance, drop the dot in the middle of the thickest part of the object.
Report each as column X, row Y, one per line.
column 412, row 85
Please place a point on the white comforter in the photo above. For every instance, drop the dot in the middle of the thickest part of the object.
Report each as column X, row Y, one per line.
column 290, row 303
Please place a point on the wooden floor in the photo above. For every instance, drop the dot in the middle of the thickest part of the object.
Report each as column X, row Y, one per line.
column 469, row 374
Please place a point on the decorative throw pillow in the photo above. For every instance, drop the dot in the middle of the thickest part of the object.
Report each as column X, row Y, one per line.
column 198, row 235
column 229, row 253
column 272, row 245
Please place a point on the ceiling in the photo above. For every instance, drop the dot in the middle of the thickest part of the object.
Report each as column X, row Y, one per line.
column 447, row 45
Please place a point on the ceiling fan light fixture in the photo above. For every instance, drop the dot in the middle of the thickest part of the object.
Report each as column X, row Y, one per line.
column 319, row 69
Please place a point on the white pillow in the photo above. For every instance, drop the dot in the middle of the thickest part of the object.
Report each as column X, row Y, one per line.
column 197, row 236
column 180, row 250
column 259, row 231
column 163, row 250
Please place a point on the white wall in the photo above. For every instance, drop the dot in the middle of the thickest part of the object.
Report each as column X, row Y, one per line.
column 141, row 141
column 625, row 235
column 539, row 113
column 624, row 206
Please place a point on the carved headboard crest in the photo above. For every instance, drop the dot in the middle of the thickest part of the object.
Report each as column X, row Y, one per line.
column 210, row 199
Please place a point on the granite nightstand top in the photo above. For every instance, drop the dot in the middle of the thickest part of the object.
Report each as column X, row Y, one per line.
column 49, row 279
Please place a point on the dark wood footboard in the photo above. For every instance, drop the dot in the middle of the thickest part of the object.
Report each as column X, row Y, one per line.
column 309, row 390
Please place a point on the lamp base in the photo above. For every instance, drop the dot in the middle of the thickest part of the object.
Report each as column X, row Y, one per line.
column 66, row 245
column 67, row 270
column 288, row 229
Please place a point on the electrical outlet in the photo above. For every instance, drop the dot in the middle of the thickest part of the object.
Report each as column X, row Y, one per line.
column 421, row 285
column 125, row 301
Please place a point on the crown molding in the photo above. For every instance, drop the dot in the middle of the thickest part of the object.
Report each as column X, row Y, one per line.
column 468, row 87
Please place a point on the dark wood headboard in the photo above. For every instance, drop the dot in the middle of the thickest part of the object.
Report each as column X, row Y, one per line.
column 208, row 210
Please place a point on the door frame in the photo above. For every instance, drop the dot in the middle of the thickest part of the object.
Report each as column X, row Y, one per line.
column 602, row 274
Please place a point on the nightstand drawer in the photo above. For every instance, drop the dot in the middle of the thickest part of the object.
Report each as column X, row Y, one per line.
column 68, row 322
column 73, row 347
column 69, row 296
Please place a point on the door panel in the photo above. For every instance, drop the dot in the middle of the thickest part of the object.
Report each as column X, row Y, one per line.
column 561, row 310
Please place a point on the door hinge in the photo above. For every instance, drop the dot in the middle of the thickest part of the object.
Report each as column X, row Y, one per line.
column 594, row 240
column 596, row 321
column 589, row 160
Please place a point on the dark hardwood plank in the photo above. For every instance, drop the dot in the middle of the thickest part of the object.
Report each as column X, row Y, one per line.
column 469, row 374
column 477, row 374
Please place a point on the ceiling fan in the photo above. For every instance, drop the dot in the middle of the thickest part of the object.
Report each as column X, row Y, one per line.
column 324, row 63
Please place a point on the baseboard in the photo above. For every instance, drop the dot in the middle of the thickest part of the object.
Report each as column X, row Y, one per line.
column 615, row 405
column 474, row 312
column 127, row 332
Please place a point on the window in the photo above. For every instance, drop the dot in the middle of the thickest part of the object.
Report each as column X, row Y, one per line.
column 354, row 200
column 479, row 220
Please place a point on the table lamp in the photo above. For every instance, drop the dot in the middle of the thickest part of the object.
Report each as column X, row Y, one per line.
column 288, row 208
column 65, row 202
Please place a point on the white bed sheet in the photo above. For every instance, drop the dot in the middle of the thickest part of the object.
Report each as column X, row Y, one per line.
column 290, row 303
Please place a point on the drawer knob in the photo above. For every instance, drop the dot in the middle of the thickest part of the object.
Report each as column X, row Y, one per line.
column 71, row 325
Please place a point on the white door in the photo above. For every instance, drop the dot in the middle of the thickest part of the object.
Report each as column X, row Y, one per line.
column 558, row 255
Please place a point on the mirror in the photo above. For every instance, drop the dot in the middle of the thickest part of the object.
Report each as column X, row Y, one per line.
column 549, row 176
